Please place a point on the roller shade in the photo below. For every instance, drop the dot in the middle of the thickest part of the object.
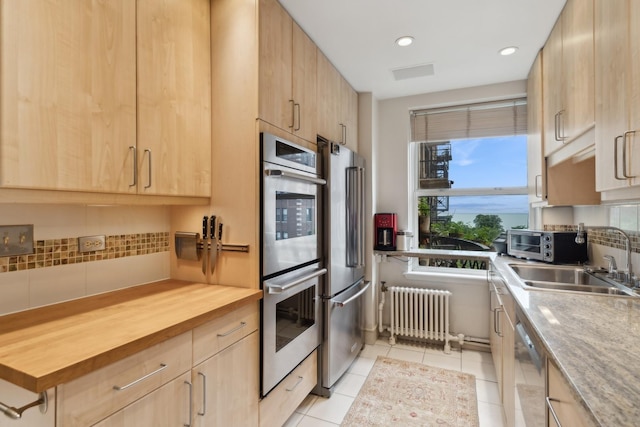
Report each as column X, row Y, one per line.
column 486, row 119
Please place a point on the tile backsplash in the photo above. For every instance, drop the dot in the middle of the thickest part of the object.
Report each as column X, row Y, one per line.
column 136, row 252
column 53, row 252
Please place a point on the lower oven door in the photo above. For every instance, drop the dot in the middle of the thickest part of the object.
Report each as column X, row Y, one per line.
column 290, row 322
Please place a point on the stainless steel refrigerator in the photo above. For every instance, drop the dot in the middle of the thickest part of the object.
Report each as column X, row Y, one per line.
column 344, row 254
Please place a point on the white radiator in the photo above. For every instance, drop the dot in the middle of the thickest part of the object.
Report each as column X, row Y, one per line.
column 420, row 313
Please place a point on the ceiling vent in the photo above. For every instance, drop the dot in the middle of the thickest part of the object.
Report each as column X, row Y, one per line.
column 413, row 72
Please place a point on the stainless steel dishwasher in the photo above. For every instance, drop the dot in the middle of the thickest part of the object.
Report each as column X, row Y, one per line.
column 530, row 373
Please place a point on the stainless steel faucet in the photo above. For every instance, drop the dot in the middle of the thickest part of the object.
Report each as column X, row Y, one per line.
column 629, row 277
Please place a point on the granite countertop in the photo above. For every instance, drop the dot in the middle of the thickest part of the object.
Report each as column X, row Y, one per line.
column 44, row 347
column 593, row 339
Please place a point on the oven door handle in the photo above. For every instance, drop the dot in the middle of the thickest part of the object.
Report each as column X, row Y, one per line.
column 278, row 289
column 354, row 297
column 294, row 175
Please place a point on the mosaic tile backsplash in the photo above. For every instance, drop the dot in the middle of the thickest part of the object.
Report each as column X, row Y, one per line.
column 610, row 238
column 49, row 253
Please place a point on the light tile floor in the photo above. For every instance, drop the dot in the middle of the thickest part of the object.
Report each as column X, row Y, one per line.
column 318, row 411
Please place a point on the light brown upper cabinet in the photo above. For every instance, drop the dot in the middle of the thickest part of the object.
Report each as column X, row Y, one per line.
column 568, row 77
column 287, row 75
column 68, row 95
column 535, row 174
column 337, row 105
column 617, row 59
column 88, row 87
column 174, row 97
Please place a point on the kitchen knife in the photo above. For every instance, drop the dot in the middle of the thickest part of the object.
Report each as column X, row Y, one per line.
column 213, row 249
column 205, row 230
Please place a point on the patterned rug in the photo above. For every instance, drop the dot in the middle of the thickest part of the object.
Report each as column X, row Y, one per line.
column 411, row 394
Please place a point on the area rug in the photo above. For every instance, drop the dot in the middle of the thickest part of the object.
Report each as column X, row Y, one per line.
column 399, row 393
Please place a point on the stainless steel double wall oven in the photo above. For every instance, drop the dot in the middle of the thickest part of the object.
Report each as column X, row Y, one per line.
column 292, row 270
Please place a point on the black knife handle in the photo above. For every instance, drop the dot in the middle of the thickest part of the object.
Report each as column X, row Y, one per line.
column 205, row 227
column 212, row 227
column 220, row 232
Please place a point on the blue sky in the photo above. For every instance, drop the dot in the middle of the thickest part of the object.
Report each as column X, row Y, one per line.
column 489, row 162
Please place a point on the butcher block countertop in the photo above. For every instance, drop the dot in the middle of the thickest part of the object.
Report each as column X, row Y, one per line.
column 48, row 346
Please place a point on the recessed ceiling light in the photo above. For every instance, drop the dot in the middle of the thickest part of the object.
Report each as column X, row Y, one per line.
column 404, row 41
column 508, row 50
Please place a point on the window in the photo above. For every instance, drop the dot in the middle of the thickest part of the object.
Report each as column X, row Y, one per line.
column 469, row 174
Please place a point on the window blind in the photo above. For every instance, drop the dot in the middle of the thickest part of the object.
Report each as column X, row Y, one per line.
column 486, row 119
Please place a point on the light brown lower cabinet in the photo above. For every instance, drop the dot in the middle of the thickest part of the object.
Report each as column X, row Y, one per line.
column 226, row 386
column 166, row 406
column 283, row 400
column 562, row 407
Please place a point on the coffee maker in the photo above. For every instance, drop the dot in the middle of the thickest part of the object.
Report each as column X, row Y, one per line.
column 386, row 226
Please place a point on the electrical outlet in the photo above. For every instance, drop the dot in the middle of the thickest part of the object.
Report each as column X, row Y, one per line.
column 91, row 243
column 16, row 240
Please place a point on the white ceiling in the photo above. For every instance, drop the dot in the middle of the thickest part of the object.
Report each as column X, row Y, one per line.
column 461, row 38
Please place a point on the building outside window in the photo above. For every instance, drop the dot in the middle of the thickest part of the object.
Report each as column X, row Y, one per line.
column 468, row 174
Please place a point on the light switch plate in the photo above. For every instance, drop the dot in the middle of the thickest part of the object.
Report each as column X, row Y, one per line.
column 91, row 243
column 16, row 240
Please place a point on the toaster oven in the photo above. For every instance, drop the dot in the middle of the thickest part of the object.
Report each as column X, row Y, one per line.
column 556, row 247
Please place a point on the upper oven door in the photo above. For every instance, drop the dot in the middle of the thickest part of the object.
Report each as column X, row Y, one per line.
column 291, row 228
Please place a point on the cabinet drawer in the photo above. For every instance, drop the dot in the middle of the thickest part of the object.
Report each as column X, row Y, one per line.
column 220, row 333
column 283, row 400
column 90, row 398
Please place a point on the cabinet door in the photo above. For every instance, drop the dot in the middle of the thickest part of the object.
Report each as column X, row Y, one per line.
column 304, row 85
column 552, row 89
column 329, row 87
column 276, row 49
column 535, row 175
column 349, row 117
column 68, row 94
column 165, row 407
column 565, row 406
column 174, row 97
column 226, row 386
column 495, row 334
column 611, row 59
column 577, row 68
column 634, row 78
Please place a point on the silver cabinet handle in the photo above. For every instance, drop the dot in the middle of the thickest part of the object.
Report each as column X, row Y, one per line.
column 293, row 114
column 297, row 106
column 146, row 150
column 293, row 175
column 237, row 328
column 135, row 166
column 190, row 386
column 496, row 320
column 624, row 153
column 16, row 413
column 353, row 298
column 537, row 187
column 162, row 367
column 204, row 394
column 296, row 384
column 556, row 132
column 615, row 158
column 553, row 411
column 278, row 289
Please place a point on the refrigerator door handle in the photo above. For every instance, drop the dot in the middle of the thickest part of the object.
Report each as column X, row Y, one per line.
column 355, row 217
column 354, row 297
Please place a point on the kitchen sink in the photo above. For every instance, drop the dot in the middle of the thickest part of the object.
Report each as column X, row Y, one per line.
column 543, row 273
column 568, row 278
column 598, row 289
